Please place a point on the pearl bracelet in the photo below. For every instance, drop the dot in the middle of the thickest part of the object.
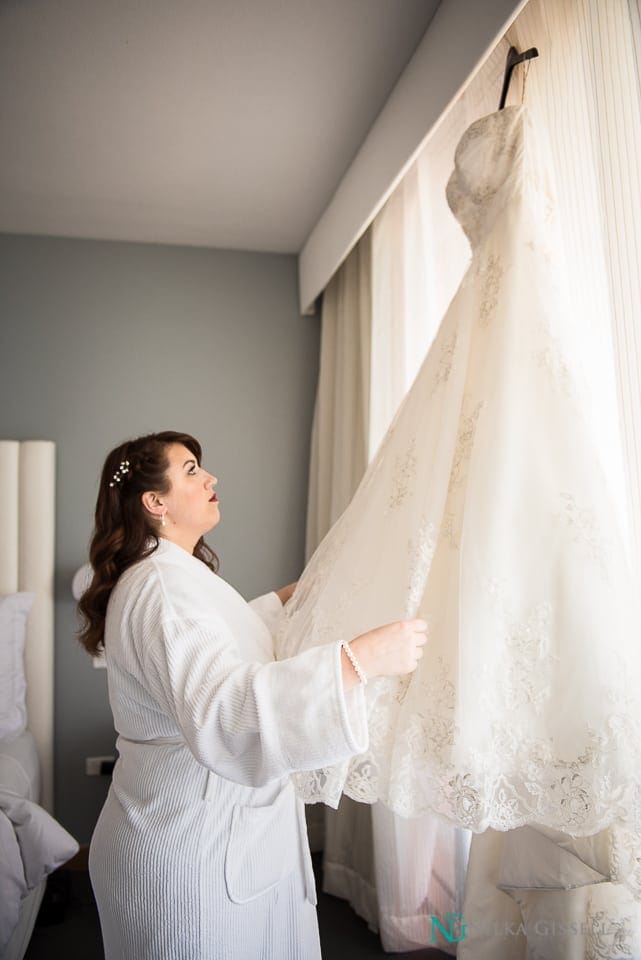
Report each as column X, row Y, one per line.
column 360, row 673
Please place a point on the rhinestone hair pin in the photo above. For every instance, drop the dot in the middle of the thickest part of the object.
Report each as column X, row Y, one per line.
column 121, row 472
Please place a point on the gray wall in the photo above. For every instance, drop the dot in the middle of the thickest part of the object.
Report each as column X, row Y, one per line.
column 102, row 341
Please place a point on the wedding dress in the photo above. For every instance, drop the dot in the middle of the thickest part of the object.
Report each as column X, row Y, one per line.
column 488, row 512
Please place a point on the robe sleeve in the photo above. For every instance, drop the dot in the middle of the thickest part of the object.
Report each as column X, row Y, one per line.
column 253, row 722
column 269, row 609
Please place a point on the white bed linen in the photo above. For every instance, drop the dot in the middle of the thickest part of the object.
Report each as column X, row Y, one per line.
column 19, row 767
column 32, row 845
column 27, row 514
column 19, row 940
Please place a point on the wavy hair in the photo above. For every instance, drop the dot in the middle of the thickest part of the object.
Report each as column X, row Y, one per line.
column 124, row 532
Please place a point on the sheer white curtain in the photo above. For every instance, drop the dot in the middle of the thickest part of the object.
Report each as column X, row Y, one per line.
column 339, row 451
column 584, row 94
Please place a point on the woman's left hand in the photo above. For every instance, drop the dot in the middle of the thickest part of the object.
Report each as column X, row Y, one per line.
column 285, row 592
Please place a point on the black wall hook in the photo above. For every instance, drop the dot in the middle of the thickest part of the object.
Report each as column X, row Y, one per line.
column 514, row 58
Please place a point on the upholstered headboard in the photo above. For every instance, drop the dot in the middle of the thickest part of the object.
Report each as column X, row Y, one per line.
column 27, row 523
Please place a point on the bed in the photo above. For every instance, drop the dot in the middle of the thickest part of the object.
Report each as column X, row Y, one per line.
column 32, row 843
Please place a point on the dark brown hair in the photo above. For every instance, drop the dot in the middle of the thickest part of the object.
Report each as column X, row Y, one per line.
column 124, row 532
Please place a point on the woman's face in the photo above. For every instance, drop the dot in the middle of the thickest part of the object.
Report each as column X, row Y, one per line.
column 191, row 504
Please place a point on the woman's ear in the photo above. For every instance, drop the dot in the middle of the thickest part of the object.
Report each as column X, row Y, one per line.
column 152, row 503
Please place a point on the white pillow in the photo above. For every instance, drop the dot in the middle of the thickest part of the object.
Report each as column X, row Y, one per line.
column 14, row 610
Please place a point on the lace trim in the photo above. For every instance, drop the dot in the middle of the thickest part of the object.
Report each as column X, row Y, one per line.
column 539, row 780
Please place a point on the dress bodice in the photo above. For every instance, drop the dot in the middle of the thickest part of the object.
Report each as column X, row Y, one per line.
column 488, row 155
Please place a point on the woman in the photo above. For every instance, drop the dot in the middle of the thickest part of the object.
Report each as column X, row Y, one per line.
column 200, row 850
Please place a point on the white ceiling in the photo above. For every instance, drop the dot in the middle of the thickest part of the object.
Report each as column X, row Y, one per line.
column 224, row 123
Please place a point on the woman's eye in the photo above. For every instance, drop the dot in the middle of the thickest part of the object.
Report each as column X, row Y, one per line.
column 192, row 471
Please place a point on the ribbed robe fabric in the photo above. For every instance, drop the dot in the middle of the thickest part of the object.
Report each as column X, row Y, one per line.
column 201, row 849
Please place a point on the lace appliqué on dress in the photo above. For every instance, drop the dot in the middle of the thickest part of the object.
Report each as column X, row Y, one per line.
column 464, row 444
column 584, row 528
column 551, row 360
column 446, row 359
column 609, row 937
column 490, row 274
column 404, row 471
column 449, row 530
column 524, row 664
column 421, row 551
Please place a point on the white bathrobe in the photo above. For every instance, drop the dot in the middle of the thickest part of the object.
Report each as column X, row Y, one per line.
column 200, row 852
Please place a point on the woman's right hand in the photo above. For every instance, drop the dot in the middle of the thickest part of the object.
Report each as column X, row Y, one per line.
column 387, row 651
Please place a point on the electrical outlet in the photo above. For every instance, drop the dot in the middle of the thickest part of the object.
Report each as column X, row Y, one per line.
column 93, row 765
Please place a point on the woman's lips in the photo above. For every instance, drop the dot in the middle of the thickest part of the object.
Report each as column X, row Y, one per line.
column 213, row 498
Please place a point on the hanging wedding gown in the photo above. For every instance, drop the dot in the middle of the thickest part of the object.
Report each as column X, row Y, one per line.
column 487, row 512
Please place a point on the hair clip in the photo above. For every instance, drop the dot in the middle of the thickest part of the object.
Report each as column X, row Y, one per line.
column 121, row 472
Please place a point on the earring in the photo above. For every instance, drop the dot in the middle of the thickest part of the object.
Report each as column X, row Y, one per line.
column 163, row 522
